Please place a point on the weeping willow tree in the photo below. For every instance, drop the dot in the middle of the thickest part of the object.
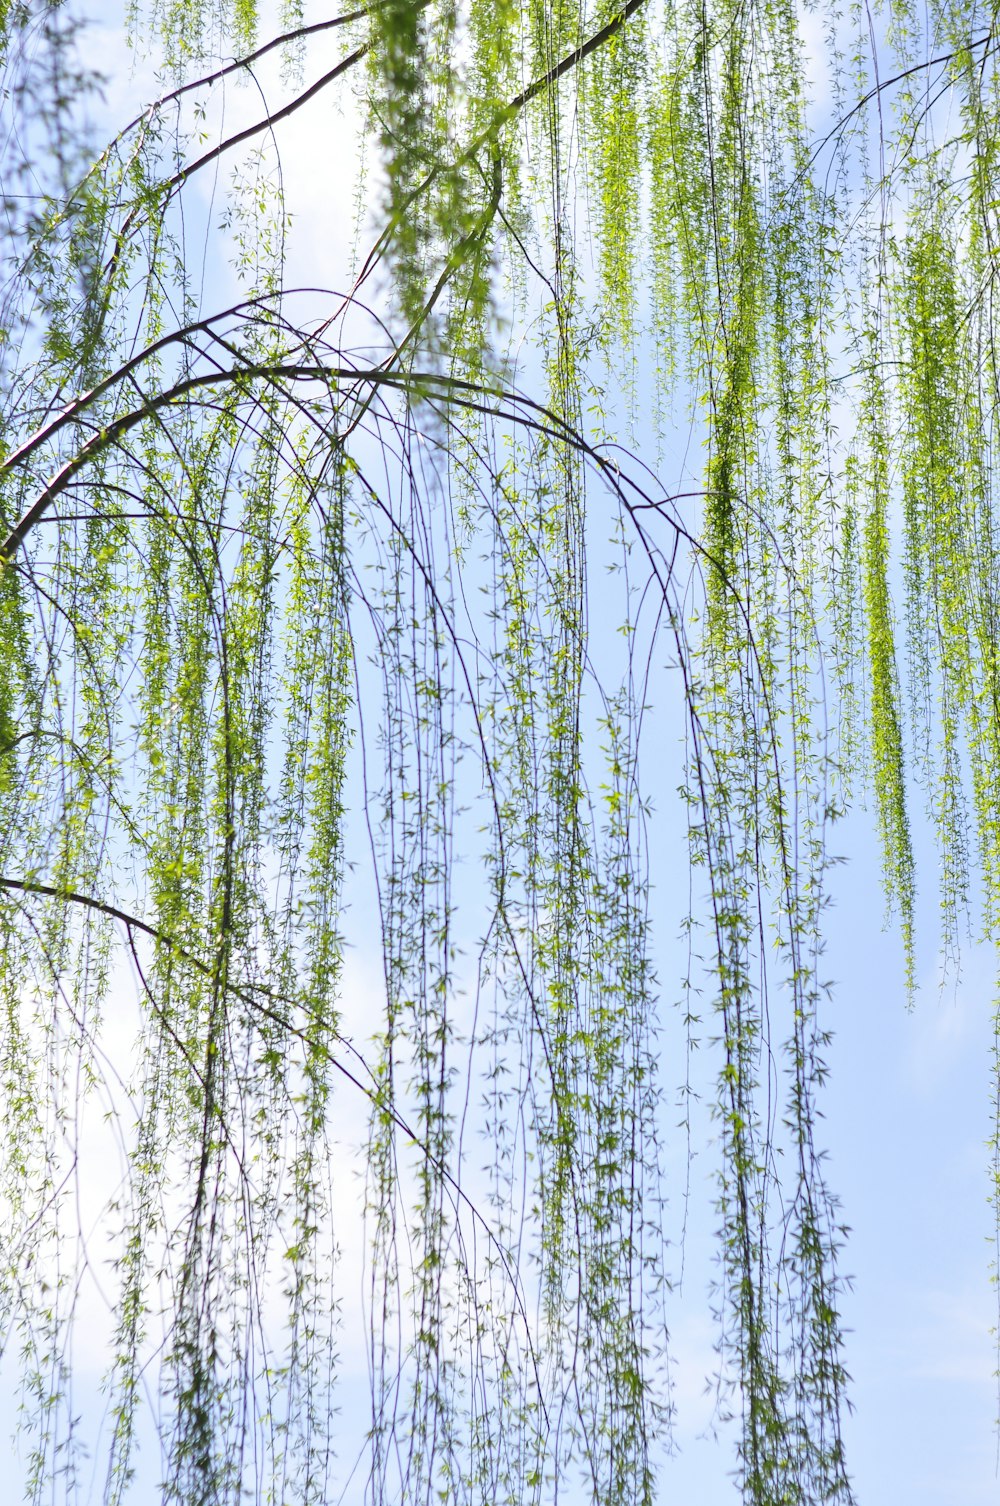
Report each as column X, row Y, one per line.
column 361, row 617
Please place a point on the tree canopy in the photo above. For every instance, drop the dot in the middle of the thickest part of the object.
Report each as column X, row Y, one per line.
column 652, row 426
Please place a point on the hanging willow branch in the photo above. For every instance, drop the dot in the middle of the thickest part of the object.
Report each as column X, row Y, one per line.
column 329, row 624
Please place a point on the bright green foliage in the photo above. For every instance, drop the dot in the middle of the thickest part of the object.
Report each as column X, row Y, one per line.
column 317, row 601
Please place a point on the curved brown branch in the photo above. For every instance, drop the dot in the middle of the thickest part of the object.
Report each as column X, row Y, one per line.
column 132, row 924
column 878, row 89
column 180, row 177
column 491, row 132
